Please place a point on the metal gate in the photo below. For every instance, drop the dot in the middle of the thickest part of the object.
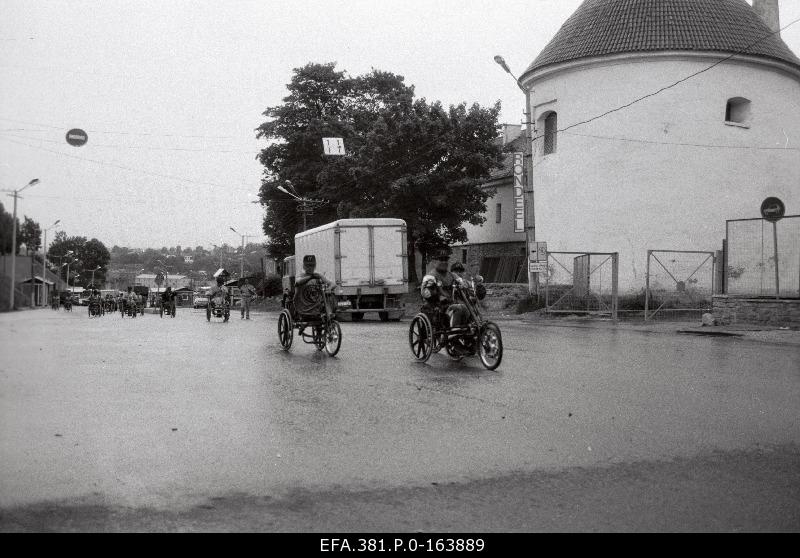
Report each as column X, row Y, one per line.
column 588, row 284
column 679, row 281
column 757, row 266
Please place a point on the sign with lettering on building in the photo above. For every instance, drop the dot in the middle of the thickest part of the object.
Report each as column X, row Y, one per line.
column 334, row 146
column 519, row 192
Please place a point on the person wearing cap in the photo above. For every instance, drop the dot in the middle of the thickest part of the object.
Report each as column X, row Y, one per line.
column 247, row 291
column 437, row 290
column 307, row 298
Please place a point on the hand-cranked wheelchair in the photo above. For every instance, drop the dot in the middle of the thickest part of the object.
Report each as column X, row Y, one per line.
column 430, row 331
column 316, row 325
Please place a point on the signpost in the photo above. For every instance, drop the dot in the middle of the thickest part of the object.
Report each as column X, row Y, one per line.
column 334, row 146
column 773, row 210
column 77, row 137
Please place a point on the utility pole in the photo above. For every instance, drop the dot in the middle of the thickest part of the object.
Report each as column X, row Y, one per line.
column 15, row 195
column 530, row 219
column 44, row 258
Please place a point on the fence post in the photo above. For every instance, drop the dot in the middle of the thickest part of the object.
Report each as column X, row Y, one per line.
column 614, row 286
column 547, row 287
column 647, row 286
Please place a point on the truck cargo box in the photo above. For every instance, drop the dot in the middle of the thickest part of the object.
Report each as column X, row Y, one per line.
column 360, row 255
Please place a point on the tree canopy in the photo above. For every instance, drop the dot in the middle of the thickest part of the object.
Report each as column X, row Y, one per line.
column 406, row 158
column 86, row 256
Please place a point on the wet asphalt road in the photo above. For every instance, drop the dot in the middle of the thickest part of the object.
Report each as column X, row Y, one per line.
column 160, row 424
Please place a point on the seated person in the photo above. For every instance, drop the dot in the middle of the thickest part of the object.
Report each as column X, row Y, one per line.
column 307, row 293
column 219, row 292
column 437, row 290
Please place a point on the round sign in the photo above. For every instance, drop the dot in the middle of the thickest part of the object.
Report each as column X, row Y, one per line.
column 77, row 137
column 773, row 210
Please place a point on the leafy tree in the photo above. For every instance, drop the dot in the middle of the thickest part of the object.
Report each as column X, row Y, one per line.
column 86, row 256
column 30, row 233
column 407, row 158
column 6, row 230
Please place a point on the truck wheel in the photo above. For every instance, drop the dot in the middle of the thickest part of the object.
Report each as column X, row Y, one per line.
column 357, row 316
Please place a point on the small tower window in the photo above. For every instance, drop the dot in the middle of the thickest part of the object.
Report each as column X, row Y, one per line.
column 737, row 111
column 550, row 133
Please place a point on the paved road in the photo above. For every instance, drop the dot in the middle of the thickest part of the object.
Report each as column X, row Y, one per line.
column 117, row 424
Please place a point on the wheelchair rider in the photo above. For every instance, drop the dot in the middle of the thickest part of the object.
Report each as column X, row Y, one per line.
column 306, row 296
column 437, row 291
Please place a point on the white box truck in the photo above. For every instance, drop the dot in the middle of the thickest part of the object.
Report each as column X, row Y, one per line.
column 366, row 258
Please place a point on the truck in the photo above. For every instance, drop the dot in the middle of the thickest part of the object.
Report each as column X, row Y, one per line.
column 366, row 258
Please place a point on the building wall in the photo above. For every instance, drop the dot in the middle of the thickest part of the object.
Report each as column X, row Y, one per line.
column 608, row 195
column 491, row 230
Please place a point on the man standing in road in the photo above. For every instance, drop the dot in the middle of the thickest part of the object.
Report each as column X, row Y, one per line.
column 247, row 291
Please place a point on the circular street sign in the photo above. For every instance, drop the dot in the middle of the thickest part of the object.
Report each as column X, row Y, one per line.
column 77, row 137
column 773, row 210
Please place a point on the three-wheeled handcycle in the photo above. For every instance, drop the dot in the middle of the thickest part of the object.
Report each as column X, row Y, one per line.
column 318, row 328
column 430, row 330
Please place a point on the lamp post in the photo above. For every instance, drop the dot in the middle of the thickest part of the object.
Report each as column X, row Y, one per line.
column 44, row 258
column 95, row 269
column 15, row 194
column 306, row 206
column 241, row 260
column 529, row 214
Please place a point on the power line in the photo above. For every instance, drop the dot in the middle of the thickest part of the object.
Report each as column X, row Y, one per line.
column 121, row 167
column 148, row 134
column 143, row 147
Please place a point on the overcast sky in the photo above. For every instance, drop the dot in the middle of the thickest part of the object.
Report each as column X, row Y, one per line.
column 170, row 92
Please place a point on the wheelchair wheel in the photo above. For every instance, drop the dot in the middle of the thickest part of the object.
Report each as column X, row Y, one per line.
column 490, row 346
column 285, row 330
column 420, row 338
column 333, row 338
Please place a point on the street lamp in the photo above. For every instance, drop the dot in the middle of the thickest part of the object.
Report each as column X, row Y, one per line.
column 95, row 269
column 15, row 194
column 44, row 258
column 241, row 264
column 529, row 220
column 306, row 206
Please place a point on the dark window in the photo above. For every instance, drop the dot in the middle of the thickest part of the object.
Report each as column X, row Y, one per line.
column 498, row 213
column 737, row 110
column 550, row 133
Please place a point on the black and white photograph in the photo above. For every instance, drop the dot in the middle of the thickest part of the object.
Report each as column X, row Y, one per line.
column 400, row 276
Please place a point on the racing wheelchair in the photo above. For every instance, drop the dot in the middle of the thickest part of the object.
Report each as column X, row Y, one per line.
column 319, row 328
column 430, row 331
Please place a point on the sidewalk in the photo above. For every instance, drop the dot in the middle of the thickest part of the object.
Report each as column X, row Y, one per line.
column 763, row 334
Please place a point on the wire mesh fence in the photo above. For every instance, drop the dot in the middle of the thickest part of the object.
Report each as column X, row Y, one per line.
column 582, row 283
column 679, row 283
column 757, row 266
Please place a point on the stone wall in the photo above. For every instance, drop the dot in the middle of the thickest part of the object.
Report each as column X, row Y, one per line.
column 733, row 310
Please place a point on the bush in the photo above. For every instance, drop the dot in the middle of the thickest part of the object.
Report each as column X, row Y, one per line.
column 529, row 304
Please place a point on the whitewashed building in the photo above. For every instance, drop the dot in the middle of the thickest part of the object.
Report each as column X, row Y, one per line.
column 665, row 172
